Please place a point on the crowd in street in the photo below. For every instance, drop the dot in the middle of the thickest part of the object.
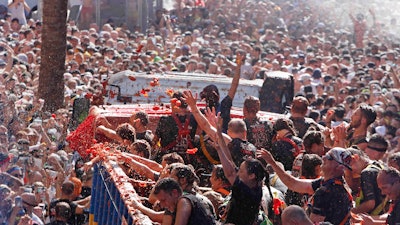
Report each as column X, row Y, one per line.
column 334, row 158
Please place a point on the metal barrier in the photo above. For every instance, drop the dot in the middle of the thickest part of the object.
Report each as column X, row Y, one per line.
column 111, row 194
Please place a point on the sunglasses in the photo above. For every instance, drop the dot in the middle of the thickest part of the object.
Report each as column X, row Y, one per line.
column 330, row 158
column 5, row 191
column 18, row 175
column 27, row 203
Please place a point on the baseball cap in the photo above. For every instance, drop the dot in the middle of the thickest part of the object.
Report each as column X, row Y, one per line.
column 304, row 77
column 341, row 156
column 317, row 74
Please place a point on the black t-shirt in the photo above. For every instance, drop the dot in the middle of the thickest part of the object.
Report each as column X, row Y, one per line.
column 225, row 109
column 331, row 200
column 243, row 207
column 355, row 140
column 259, row 133
column 369, row 185
column 74, row 219
column 240, row 149
column 394, row 215
column 147, row 135
column 86, row 191
column 285, row 152
column 167, row 130
column 301, row 125
column 202, row 210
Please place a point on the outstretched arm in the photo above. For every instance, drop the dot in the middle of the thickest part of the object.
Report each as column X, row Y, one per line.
column 153, row 215
column 293, row 183
column 148, row 162
column 139, row 168
column 110, row 133
column 202, row 121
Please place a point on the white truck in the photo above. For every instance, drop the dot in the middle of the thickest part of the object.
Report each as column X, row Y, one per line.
column 275, row 91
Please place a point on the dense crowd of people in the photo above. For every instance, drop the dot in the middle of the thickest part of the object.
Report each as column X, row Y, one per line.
column 333, row 159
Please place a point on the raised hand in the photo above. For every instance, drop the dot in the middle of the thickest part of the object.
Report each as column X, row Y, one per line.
column 211, row 116
column 218, row 122
column 189, row 98
column 264, row 154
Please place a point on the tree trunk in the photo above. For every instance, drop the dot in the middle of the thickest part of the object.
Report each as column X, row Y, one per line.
column 52, row 68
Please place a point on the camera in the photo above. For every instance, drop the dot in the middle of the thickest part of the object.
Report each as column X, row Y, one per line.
column 166, row 17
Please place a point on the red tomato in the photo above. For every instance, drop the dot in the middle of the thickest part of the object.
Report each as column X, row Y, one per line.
column 174, row 100
column 178, row 103
column 153, row 84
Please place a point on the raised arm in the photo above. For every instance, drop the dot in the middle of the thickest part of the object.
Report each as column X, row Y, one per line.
column 202, row 121
column 26, row 7
column 236, row 77
column 393, row 74
column 293, row 183
column 225, row 155
column 9, row 58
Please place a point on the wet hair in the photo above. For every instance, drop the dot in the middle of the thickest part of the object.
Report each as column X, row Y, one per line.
column 211, row 94
column 284, row 123
column 312, row 137
column 186, row 171
column 63, row 210
column 310, row 162
column 254, row 166
column 219, row 174
column 144, row 118
column 142, row 147
column 368, row 113
column 172, row 158
column 167, row 185
column 126, row 132
column 252, row 104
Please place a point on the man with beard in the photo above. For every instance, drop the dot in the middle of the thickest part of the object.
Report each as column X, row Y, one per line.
column 364, row 116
